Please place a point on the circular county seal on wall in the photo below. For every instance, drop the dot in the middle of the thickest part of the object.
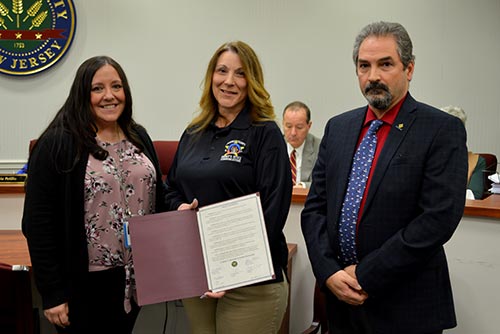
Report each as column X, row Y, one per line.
column 34, row 34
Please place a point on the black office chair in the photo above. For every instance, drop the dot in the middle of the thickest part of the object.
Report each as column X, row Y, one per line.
column 491, row 168
column 17, row 315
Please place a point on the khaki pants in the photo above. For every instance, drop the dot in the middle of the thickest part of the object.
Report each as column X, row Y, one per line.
column 254, row 309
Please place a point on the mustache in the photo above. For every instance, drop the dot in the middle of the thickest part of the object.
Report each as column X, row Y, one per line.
column 376, row 85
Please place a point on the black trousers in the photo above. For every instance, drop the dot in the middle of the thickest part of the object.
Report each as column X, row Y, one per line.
column 98, row 307
column 346, row 319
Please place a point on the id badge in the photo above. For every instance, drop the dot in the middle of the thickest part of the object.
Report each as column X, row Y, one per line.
column 126, row 234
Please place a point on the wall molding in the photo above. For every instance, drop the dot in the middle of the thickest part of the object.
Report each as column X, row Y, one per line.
column 11, row 166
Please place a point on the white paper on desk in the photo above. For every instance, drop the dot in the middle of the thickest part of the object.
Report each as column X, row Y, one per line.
column 494, row 177
column 469, row 194
column 235, row 245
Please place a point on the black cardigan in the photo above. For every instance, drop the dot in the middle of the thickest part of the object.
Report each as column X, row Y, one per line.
column 53, row 218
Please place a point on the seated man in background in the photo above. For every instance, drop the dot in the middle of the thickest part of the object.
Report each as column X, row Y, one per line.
column 477, row 164
column 302, row 146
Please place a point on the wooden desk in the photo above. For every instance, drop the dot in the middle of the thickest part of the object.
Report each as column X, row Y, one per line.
column 17, row 302
column 12, row 188
column 488, row 207
column 13, row 248
column 299, row 195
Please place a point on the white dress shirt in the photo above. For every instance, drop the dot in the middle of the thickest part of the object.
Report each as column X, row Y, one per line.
column 298, row 159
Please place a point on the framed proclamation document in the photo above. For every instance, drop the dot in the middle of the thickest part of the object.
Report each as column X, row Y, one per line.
column 182, row 254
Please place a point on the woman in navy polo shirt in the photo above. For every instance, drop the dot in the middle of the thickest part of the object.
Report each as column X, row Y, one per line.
column 233, row 147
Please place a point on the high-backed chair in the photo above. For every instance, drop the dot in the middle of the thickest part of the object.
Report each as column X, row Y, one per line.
column 31, row 145
column 491, row 168
column 165, row 149
column 17, row 315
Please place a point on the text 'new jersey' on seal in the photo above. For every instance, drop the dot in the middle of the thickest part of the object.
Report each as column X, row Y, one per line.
column 34, row 34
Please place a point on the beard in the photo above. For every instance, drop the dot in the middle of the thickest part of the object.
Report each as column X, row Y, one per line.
column 378, row 95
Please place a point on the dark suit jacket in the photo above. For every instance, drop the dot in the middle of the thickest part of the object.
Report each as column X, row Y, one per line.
column 309, row 156
column 415, row 201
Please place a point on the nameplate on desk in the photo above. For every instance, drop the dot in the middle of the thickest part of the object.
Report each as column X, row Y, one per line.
column 12, row 178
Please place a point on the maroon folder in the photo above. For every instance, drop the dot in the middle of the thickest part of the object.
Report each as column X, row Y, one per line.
column 168, row 258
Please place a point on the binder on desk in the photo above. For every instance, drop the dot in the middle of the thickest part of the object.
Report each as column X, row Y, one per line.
column 182, row 254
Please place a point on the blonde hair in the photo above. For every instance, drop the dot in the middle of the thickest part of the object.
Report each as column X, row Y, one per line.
column 261, row 108
column 456, row 111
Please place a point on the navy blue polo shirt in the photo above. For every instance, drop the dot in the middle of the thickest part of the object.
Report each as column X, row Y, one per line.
column 245, row 157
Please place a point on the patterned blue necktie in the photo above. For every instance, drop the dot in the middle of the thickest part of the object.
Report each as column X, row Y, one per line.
column 361, row 165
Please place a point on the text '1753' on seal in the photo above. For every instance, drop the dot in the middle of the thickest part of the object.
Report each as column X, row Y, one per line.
column 34, row 34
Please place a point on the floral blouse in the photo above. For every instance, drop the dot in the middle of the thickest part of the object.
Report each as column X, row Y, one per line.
column 120, row 186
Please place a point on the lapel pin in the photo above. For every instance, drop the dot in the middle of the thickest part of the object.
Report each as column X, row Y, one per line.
column 400, row 126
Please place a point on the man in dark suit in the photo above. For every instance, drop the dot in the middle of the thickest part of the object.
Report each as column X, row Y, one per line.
column 296, row 125
column 395, row 277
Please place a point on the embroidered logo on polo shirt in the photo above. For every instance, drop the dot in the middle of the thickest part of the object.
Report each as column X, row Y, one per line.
column 233, row 151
